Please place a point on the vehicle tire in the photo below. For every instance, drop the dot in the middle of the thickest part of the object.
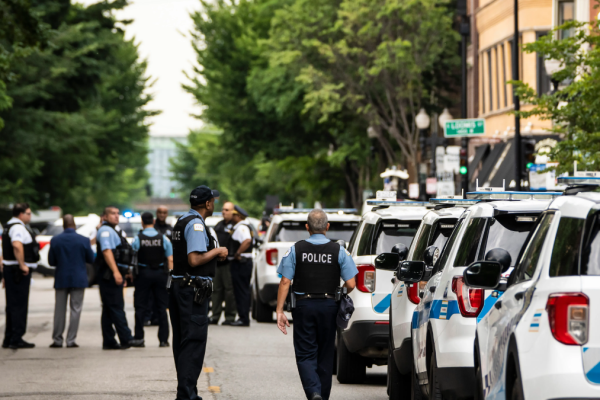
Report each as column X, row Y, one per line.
column 351, row 368
column 399, row 386
column 517, row 390
column 264, row 312
column 253, row 305
column 434, row 388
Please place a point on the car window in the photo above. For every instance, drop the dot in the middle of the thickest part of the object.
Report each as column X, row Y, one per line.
column 590, row 257
column 293, row 231
column 354, row 236
column 509, row 232
column 469, row 246
column 565, row 253
column 448, row 247
column 421, row 242
column 391, row 232
column 441, row 233
column 273, row 233
column 131, row 229
column 364, row 243
column 531, row 254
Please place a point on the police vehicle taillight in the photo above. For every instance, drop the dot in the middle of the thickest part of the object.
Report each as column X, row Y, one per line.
column 568, row 314
column 470, row 301
column 271, row 255
column 413, row 293
column 365, row 280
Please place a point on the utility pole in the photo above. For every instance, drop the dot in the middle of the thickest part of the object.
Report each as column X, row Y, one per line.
column 465, row 31
column 515, row 77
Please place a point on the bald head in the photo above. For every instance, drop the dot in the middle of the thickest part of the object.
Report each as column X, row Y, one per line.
column 69, row 221
column 317, row 221
column 227, row 211
column 162, row 212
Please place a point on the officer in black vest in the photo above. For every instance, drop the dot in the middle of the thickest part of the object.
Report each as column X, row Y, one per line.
column 316, row 266
column 155, row 260
column 240, row 256
column 21, row 254
column 195, row 257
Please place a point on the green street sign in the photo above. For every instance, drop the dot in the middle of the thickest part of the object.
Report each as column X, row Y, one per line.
column 464, row 127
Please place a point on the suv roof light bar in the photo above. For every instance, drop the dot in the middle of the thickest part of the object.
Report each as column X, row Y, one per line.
column 399, row 203
column 290, row 210
column 501, row 195
column 454, row 201
column 587, row 178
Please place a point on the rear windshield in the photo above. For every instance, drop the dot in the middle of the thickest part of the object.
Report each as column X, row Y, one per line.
column 509, row 232
column 293, row 231
column 390, row 232
column 53, row 230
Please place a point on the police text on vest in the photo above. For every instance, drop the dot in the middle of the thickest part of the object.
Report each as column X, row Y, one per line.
column 317, row 258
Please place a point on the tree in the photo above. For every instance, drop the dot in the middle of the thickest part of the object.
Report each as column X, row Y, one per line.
column 381, row 59
column 575, row 106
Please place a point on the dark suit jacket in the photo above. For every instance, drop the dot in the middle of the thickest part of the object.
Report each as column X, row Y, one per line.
column 69, row 252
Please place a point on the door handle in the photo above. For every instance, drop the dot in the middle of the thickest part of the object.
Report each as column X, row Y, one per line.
column 432, row 289
column 498, row 304
column 519, row 295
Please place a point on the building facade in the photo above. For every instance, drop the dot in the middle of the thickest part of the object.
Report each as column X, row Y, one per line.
column 161, row 150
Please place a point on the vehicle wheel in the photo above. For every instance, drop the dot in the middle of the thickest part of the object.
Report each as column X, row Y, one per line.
column 351, row 368
column 434, row 388
column 517, row 390
column 399, row 386
column 253, row 306
column 264, row 312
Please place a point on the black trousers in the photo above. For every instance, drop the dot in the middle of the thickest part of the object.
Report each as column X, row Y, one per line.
column 17, row 303
column 190, row 331
column 241, row 273
column 113, row 312
column 314, row 343
column 151, row 283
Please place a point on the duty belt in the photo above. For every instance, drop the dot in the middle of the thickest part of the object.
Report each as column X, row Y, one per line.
column 315, row 296
column 203, row 286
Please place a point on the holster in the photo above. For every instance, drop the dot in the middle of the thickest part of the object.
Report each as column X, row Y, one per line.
column 203, row 288
column 169, row 281
column 339, row 292
column 292, row 303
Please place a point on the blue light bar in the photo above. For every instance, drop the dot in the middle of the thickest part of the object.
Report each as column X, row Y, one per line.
column 307, row 210
column 579, row 180
column 485, row 195
column 398, row 203
column 457, row 202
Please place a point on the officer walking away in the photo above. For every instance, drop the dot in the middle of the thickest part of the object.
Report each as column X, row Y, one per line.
column 21, row 254
column 110, row 261
column 222, row 286
column 155, row 260
column 315, row 265
column 194, row 262
column 241, row 264
column 69, row 253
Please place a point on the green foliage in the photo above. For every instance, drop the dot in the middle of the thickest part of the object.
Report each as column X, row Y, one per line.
column 75, row 135
column 575, row 107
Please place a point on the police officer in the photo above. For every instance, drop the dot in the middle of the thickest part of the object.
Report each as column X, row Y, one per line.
column 194, row 261
column 315, row 265
column 155, row 259
column 21, row 254
column 161, row 225
column 240, row 256
column 222, row 286
column 110, row 281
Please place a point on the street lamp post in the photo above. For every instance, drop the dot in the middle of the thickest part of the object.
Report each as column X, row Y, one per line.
column 422, row 121
column 515, row 77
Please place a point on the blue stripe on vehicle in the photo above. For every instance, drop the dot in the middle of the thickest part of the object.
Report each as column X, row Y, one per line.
column 383, row 304
column 534, row 325
column 487, row 305
column 436, row 308
column 593, row 375
column 415, row 320
column 537, row 314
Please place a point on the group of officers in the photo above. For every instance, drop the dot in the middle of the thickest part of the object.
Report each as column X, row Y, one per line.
column 195, row 265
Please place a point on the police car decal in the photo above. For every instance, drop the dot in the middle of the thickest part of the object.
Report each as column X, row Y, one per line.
column 488, row 304
column 381, row 302
column 444, row 309
column 199, row 227
column 591, row 364
column 534, row 326
column 400, row 291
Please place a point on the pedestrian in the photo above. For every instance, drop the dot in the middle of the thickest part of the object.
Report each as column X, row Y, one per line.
column 194, row 262
column 155, row 260
column 240, row 256
column 21, row 254
column 222, row 286
column 110, row 262
column 315, row 265
column 69, row 253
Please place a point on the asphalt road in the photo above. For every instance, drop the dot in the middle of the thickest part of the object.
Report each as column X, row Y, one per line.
column 241, row 363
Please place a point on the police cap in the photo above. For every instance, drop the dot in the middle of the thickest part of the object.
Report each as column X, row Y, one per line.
column 240, row 210
column 202, row 194
column 147, row 218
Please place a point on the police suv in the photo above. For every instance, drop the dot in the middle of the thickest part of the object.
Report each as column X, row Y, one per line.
column 538, row 341
column 287, row 227
column 443, row 325
column 434, row 231
column 389, row 226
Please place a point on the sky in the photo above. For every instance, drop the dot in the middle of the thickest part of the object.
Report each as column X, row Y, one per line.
column 161, row 28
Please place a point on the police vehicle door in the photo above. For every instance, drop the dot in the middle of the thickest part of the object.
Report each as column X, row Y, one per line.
column 510, row 307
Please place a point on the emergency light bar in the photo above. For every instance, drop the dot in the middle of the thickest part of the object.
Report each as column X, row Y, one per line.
column 589, row 178
column 307, row 210
column 398, row 203
column 456, row 202
column 488, row 195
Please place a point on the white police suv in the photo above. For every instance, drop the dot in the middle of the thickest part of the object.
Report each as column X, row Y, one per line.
column 541, row 339
column 443, row 325
column 434, row 231
column 389, row 226
column 287, row 227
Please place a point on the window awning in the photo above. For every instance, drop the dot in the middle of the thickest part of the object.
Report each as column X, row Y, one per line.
column 480, row 153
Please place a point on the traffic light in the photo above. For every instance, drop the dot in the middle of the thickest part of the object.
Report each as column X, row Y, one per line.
column 463, row 162
column 528, row 152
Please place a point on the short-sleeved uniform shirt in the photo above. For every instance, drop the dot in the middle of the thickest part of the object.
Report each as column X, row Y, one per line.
column 287, row 267
column 241, row 233
column 108, row 239
column 195, row 233
column 151, row 232
column 18, row 233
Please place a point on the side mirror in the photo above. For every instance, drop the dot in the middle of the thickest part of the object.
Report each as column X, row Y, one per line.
column 483, row 274
column 401, row 250
column 342, row 243
column 411, row 271
column 501, row 256
column 431, row 256
column 387, row 261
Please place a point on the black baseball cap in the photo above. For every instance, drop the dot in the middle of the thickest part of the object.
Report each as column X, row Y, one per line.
column 241, row 211
column 202, row 194
column 147, row 218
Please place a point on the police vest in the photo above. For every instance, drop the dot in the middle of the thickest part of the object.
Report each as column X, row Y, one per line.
column 152, row 251
column 317, row 268
column 164, row 229
column 30, row 250
column 224, row 236
column 180, row 254
column 233, row 245
column 123, row 254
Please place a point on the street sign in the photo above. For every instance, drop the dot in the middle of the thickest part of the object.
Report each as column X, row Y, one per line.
column 464, row 127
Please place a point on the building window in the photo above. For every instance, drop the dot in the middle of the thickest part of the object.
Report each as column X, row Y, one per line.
column 504, row 79
column 544, row 84
column 489, row 62
column 566, row 13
